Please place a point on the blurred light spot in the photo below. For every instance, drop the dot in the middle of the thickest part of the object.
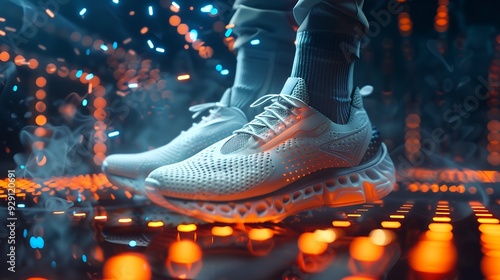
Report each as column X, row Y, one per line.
column 25, row 233
column 206, row 9
column 488, row 221
column 325, row 235
column 101, row 217
column 214, row 11
column 224, row 72
column 260, row 234
column 441, row 219
column 160, row 50
column 150, row 10
column 363, row 249
column 133, row 85
column 53, row 264
column 87, row 52
column 83, row 11
column 132, row 243
column 115, row 45
column 155, row 224
column 125, row 220
column 255, row 42
column 184, row 259
column 50, row 13
column 127, row 266
column 183, row 77
column 79, row 73
column 116, row 1
column 84, row 258
column 14, row 88
column 309, row 244
column 85, row 102
column 193, row 34
column 341, row 223
column 186, row 228
column 40, row 120
column 89, row 77
column 21, row 205
column 218, row 67
column 440, row 227
column 381, row 237
column 390, row 224
column 228, row 32
column 113, row 133
column 150, row 44
column 222, row 231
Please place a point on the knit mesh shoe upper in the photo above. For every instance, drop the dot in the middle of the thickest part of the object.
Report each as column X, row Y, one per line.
column 285, row 143
column 220, row 123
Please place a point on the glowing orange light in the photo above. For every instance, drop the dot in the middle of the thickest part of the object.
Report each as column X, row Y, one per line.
column 185, row 252
column 186, row 228
column 125, row 220
column 4, row 56
column 363, row 249
column 438, row 236
column 155, row 224
column 488, row 221
column 390, row 224
column 144, row 30
column 433, row 256
column 397, row 216
column 40, row 94
column 260, row 234
column 441, row 219
column 33, row 63
column 325, row 235
column 100, row 217
column 381, row 237
column 127, row 266
column 341, row 223
column 79, row 214
column 41, row 82
column 19, row 60
column 40, row 120
column 440, row 227
column 182, row 29
column 222, row 231
column 354, row 215
column 40, row 106
column 309, row 244
column 205, row 52
column 174, row 20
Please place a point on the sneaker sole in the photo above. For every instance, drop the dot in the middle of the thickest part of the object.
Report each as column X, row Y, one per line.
column 367, row 183
column 133, row 185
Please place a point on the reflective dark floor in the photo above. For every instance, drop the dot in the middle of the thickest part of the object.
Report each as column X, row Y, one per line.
column 437, row 224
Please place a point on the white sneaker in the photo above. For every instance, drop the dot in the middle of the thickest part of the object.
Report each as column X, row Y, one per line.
column 288, row 159
column 129, row 170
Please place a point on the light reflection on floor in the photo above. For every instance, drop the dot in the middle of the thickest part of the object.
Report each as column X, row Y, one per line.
column 438, row 224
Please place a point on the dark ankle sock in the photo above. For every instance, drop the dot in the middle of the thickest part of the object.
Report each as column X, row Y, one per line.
column 258, row 72
column 325, row 60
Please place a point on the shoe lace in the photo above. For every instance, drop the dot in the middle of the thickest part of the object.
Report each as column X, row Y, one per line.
column 212, row 107
column 271, row 112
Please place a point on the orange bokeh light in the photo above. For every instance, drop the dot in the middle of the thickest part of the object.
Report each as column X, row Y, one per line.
column 127, row 266
column 184, row 252
column 182, row 29
column 41, row 82
column 41, row 120
column 174, row 20
column 260, row 234
column 363, row 249
column 186, row 228
column 309, row 244
column 4, row 56
column 222, row 231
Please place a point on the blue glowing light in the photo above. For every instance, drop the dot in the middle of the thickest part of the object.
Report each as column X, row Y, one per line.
column 87, row 52
column 218, row 67
column 79, row 199
column 228, row 32
column 37, row 242
column 224, row 72
column 25, row 233
column 89, row 77
column 132, row 243
column 22, row 166
column 116, row 1
column 150, row 44
column 83, row 11
column 255, row 42
column 206, row 9
column 214, row 11
column 53, row 264
column 176, row 5
column 160, row 50
column 85, row 102
column 114, row 133
column 84, row 258
column 150, row 9
column 21, row 205
column 115, row 45
column 79, row 73
column 193, row 34
column 14, row 88
column 104, row 47
column 133, row 85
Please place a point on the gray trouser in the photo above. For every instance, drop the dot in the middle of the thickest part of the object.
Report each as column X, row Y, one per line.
column 272, row 23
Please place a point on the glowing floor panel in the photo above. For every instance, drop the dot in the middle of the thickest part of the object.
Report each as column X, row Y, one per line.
column 437, row 224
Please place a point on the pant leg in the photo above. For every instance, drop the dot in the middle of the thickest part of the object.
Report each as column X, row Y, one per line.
column 270, row 21
column 339, row 16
